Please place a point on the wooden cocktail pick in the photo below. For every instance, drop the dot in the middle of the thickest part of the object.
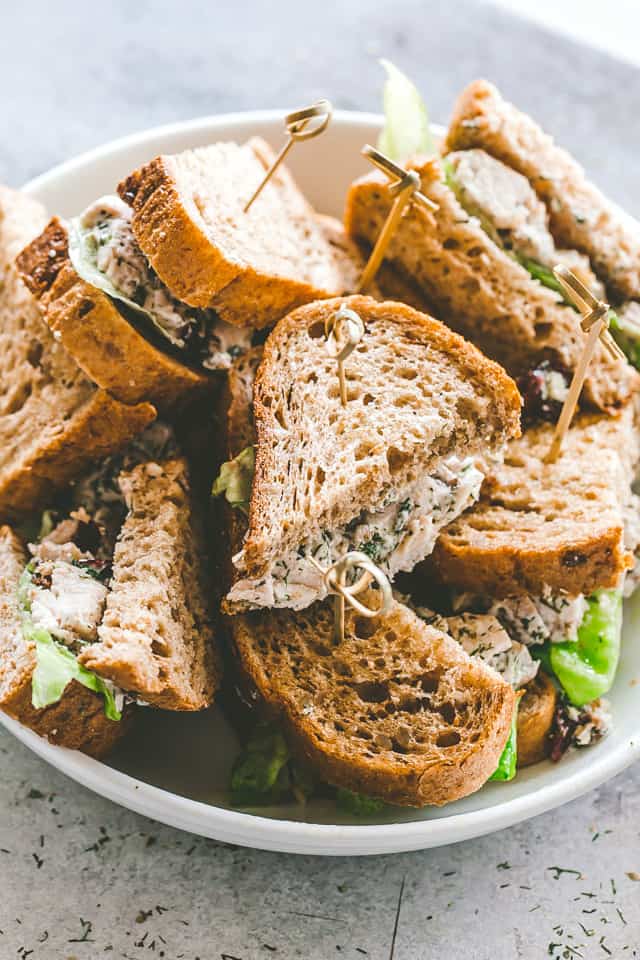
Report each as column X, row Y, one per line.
column 405, row 190
column 299, row 127
column 343, row 332
column 335, row 579
column 595, row 323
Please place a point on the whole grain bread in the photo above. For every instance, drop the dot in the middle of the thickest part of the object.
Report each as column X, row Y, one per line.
column 388, row 284
column 252, row 268
column 156, row 637
column 478, row 289
column 537, row 524
column 416, row 393
column 53, row 421
column 397, row 710
column 535, row 719
column 581, row 217
column 77, row 721
column 99, row 336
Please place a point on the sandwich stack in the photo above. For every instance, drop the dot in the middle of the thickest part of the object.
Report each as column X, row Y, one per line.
column 205, row 292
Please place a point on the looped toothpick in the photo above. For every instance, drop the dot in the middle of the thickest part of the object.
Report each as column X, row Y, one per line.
column 343, row 331
column 405, row 190
column 297, row 126
column 595, row 323
column 335, row 579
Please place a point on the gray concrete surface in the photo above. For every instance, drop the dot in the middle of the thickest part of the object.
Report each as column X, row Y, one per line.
column 81, row 878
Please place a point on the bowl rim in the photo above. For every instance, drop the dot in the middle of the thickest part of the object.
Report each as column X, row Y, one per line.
column 254, row 830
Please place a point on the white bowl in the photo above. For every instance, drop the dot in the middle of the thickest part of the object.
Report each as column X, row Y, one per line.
column 174, row 767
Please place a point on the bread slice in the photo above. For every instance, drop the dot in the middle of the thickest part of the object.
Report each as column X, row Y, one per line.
column 53, row 421
column 351, row 257
column 397, row 710
column 417, row 392
column 156, row 638
column 557, row 525
column 252, row 268
column 581, row 217
column 77, row 721
column 104, row 341
column 480, row 290
column 535, row 719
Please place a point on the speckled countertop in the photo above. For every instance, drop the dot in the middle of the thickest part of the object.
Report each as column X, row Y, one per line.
column 81, row 878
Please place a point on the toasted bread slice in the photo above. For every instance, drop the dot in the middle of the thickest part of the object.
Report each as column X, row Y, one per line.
column 535, row 719
column 53, row 421
column 397, row 710
column 104, row 342
column 156, row 638
column 417, row 393
column 77, row 721
column 252, row 268
column 557, row 525
column 480, row 290
column 580, row 216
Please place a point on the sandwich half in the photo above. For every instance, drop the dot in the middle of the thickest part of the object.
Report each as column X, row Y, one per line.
column 485, row 261
column 53, row 420
column 545, row 557
column 398, row 712
column 382, row 474
column 109, row 605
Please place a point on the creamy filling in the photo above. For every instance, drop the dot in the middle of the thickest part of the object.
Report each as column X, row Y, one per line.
column 510, row 212
column 67, row 602
column 532, row 620
column 106, row 231
column 396, row 538
column 632, row 543
column 482, row 635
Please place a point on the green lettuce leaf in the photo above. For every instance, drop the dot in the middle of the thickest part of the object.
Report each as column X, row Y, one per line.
column 357, row 804
column 506, row 769
column 56, row 666
column 236, row 479
column 406, row 130
column 83, row 253
column 260, row 774
column 626, row 333
column 586, row 667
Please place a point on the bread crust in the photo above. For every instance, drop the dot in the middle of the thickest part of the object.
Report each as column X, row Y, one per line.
column 502, row 421
column 101, row 426
column 77, row 721
column 104, row 344
column 170, row 230
column 581, row 217
column 535, row 719
column 278, row 654
column 479, row 290
column 538, row 525
column 157, row 636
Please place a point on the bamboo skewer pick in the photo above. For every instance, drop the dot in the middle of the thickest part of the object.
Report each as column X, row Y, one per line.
column 297, row 126
column 405, row 190
column 335, row 579
column 343, row 331
column 595, row 323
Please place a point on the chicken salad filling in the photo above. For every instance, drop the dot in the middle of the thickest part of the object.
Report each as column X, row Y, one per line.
column 396, row 537
column 104, row 252
column 63, row 591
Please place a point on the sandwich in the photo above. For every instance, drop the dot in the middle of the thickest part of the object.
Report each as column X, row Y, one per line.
column 396, row 713
column 383, row 474
column 156, row 289
column 545, row 557
column 108, row 606
column 485, row 258
column 53, row 420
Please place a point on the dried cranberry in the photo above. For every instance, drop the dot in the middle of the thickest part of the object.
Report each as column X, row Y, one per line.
column 536, row 387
